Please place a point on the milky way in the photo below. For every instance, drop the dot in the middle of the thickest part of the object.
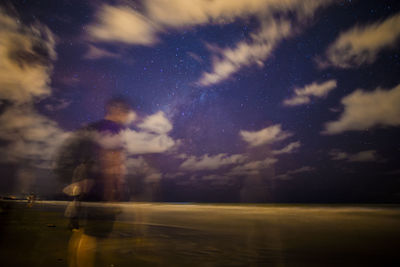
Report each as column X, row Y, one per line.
column 298, row 100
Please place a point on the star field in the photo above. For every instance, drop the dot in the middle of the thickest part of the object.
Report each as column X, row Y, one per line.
column 220, row 76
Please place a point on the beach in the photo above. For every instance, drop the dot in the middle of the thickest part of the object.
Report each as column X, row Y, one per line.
column 182, row 234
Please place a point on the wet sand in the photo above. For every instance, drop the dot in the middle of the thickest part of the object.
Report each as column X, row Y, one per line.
column 155, row 234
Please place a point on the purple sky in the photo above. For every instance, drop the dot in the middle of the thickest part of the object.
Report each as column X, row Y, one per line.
column 259, row 100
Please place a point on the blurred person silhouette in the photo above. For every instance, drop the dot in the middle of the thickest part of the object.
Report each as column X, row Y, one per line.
column 30, row 199
column 94, row 159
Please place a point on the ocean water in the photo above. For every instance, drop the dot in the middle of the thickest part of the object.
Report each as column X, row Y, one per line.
column 188, row 234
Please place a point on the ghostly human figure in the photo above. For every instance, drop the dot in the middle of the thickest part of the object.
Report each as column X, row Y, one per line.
column 94, row 159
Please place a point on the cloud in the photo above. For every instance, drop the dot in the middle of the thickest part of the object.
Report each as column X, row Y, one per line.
column 265, row 136
column 335, row 109
column 369, row 155
column 297, row 101
column 252, row 168
column 195, row 57
column 243, row 167
column 96, row 53
column 31, row 138
column 303, row 95
column 363, row 110
column 207, row 162
column 289, row 174
column 152, row 137
column 276, row 17
column 122, row 24
column 361, row 44
column 211, row 177
column 157, row 123
column 145, row 142
column 228, row 61
column 218, row 180
column 26, row 54
column 58, row 105
column 200, row 12
column 135, row 142
column 139, row 166
column 363, row 156
column 316, row 89
column 290, row 148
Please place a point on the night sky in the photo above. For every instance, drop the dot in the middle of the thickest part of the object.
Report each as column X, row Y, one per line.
column 238, row 101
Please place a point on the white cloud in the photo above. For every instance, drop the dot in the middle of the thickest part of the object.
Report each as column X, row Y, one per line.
column 207, row 162
column 31, row 138
column 139, row 166
column 361, row 44
column 145, row 142
column 198, row 12
column 289, row 174
column 252, row 168
column 153, row 137
column 25, row 60
column 316, row 89
column 290, row 148
column 303, row 95
column 243, row 167
column 265, row 136
column 297, row 101
column 369, row 155
column 126, row 25
column 157, row 123
column 363, row 156
column 338, row 155
column 229, row 60
column 363, row 110
column 122, row 24
column 96, row 53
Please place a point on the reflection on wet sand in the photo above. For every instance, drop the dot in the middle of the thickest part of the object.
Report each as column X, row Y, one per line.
column 148, row 234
